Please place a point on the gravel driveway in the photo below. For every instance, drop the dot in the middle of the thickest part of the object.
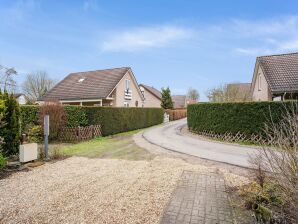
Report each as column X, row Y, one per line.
column 82, row 190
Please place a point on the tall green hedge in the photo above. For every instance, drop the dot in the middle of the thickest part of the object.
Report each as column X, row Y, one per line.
column 29, row 116
column 113, row 120
column 247, row 118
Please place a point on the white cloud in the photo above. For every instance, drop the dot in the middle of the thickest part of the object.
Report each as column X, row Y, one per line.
column 267, row 37
column 253, row 51
column 144, row 38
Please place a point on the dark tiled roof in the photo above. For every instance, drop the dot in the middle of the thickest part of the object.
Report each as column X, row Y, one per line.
column 281, row 71
column 87, row 85
column 152, row 90
column 179, row 101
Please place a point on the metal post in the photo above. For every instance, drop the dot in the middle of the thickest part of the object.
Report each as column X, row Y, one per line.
column 46, row 136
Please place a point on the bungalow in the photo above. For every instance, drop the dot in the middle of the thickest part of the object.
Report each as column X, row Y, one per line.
column 152, row 97
column 115, row 87
column 275, row 78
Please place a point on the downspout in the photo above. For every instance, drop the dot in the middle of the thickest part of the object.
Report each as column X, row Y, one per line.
column 283, row 97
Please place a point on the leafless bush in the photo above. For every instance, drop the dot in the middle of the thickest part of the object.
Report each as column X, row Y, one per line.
column 258, row 172
column 280, row 161
column 57, row 117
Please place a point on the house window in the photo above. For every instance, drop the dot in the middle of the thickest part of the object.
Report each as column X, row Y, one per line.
column 126, row 104
column 259, row 82
column 127, row 84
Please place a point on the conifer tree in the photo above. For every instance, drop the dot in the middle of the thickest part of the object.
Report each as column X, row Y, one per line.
column 166, row 99
column 10, row 132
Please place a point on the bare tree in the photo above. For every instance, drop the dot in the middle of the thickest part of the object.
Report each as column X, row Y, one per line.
column 228, row 93
column 37, row 84
column 193, row 94
column 7, row 82
column 217, row 94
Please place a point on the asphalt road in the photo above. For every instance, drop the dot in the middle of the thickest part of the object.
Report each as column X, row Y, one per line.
column 169, row 136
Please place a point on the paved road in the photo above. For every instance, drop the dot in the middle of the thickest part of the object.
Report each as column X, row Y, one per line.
column 169, row 137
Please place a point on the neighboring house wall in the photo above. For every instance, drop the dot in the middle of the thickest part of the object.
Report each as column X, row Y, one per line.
column 120, row 100
column 151, row 100
column 260, row 90
column 22, row 100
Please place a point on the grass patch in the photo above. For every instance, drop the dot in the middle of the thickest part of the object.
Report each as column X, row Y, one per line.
column 119, row 146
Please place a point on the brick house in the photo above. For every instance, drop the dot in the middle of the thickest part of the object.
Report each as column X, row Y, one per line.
column 275, row 78
column 115, row 87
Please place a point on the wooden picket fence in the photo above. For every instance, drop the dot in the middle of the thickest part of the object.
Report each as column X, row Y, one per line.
column 238, row 137
column 80, row 133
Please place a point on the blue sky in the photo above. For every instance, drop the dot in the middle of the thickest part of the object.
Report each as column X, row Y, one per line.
column 175, row 43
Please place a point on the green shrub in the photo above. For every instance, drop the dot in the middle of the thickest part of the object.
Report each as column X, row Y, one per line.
column 35, row 134
column 2, row 161
column 76, row 116
column 29, row 117
column 247, row 118
column 10, row 131
column 115, row 120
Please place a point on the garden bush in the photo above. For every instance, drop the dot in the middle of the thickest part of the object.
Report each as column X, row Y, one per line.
column 10, row 130
column 57, row 118
column 35, row 134
column 247, row 117
column 2, row 161
column 29, row 117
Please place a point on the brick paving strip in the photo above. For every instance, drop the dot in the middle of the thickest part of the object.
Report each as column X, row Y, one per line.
column 199, row 198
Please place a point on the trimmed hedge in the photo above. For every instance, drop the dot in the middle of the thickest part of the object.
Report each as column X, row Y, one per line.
column 29, row 116
column 112, row 119
column 247, row 117
column 115, row 120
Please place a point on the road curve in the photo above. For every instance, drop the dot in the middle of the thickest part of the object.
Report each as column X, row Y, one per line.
column 169, row 137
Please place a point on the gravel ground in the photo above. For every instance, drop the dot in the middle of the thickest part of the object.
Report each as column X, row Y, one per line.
column 82, row 190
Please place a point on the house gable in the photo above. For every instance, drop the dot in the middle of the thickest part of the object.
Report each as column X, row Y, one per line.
column 131, row 99
column 260, row 90
column 152, row 96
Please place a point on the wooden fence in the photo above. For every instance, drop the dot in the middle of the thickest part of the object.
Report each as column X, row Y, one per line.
column 176, row 114
column 80, row 133
column 238, row 137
